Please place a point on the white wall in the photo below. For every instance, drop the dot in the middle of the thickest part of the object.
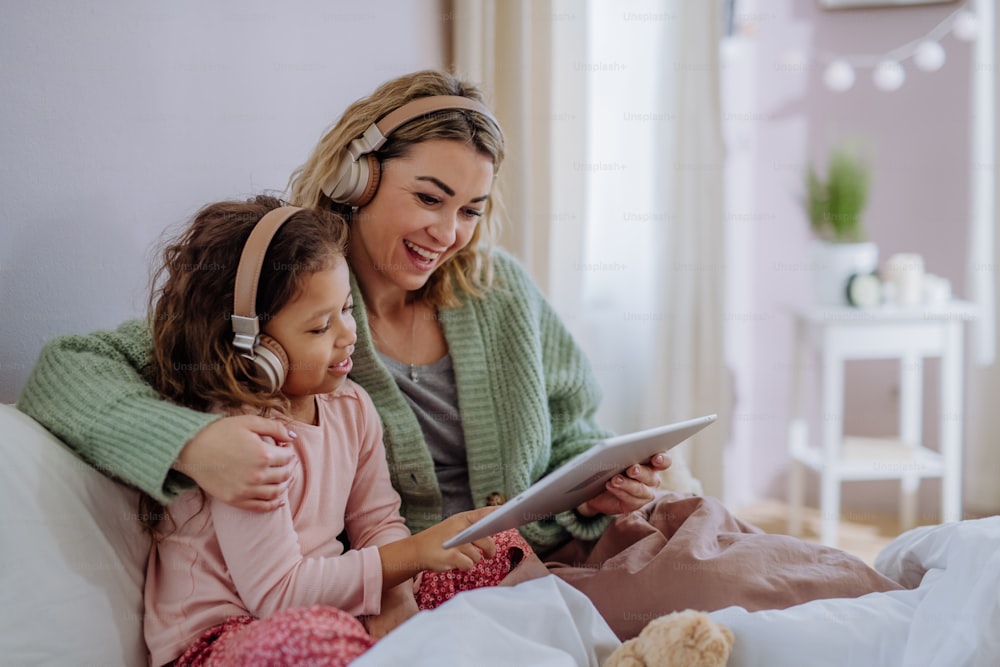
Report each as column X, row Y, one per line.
column 119, row 118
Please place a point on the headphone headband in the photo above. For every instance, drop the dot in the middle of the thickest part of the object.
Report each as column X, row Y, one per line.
column 354, row 181
column 246, row 326
column 423, row 106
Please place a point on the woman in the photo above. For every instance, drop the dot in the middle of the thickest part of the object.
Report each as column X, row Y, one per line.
column 480, row 387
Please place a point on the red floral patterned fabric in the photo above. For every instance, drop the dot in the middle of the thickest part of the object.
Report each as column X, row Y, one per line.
column 321, row 636
column 318, row 636
column 436, row 588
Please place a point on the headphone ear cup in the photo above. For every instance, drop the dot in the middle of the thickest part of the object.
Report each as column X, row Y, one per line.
column 357, row 182
column 271, row 359
column 371, row 172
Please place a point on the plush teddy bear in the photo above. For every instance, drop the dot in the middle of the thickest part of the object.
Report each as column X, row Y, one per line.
column 682, row 639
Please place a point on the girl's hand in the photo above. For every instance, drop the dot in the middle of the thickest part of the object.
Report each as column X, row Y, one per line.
column 244, row 461
column 628, row 491
column 403, row 559
column 463, row 557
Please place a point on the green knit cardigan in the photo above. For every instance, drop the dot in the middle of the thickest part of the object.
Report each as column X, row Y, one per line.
column 526, row 395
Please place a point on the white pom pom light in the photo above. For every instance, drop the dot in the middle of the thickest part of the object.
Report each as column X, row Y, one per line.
column 966, row 26
column 929, row 56
column 839, row 76
column 888, row 73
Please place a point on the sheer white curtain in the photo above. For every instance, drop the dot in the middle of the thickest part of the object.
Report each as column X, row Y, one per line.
column 652, row 300
column 499, row 44
column 982, row 438
column 982, row 458
column 690, row 377
column 613, row 191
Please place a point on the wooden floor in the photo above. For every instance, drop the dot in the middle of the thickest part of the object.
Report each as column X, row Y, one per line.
column 863, row 534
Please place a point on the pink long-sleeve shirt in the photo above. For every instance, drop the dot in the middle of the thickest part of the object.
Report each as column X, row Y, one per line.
column 220, row 561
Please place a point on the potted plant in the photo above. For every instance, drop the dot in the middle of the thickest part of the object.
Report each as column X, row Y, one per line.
column 835, row 204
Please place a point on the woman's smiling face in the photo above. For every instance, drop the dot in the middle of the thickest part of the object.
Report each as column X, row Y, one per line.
column 426, row 209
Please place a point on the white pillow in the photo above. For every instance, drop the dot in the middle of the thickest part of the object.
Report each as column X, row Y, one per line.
column 72, row 555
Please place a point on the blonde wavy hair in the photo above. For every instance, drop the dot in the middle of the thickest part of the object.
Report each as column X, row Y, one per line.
column 471, row 269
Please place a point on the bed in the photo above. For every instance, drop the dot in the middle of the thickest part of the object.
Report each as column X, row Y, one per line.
column 948, row 616
column 73, row 555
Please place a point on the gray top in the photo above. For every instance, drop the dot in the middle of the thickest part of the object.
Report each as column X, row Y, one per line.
column 430, row 390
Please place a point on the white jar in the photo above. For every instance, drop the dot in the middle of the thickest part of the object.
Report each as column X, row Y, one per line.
column 905, row 271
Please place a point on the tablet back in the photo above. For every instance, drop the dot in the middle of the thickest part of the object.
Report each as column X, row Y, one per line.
column 581, row 478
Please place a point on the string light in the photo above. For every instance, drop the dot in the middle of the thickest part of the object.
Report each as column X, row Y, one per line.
column 839, row 76
column 888, row 72
column 889, row 75
column 929, row 56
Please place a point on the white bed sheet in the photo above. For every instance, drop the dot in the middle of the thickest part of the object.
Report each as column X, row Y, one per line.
column 543, row 622
column 949, row 619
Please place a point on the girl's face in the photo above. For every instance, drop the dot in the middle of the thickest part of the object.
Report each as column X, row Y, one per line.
column 426, row 209
column 317, row 331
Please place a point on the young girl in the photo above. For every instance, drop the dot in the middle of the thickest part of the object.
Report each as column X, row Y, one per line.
column 230, row 586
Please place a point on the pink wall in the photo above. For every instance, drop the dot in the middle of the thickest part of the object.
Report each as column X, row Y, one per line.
column 919, row 135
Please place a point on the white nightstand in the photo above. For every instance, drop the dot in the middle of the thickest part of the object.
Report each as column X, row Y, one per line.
column 886, row 332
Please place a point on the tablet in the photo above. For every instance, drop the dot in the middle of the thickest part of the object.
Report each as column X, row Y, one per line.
column 581, row 478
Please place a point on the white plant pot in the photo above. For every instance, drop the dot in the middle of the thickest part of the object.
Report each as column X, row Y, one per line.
column 833, row 265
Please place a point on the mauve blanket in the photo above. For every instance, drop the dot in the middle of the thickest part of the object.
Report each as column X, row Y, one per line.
column 688, row 552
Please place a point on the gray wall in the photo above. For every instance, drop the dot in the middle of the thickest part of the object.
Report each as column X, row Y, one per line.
column 119, row 118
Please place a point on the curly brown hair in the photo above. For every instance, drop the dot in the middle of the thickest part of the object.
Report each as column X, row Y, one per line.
column 194, row 362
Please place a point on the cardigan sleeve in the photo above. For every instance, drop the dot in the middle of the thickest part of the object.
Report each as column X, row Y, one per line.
column 573, row 396
column 90, row 392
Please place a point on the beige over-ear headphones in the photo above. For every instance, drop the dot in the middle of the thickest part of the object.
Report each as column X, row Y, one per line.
column 355, row 180
column 266, row 353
